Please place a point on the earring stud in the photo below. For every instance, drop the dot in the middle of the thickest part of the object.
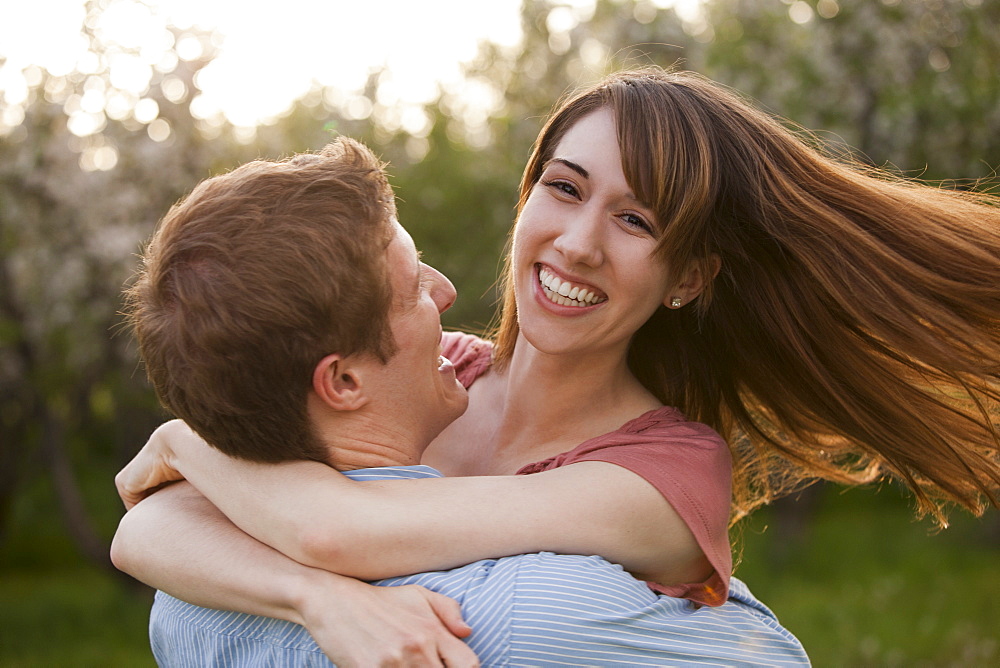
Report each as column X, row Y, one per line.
column 675, row 302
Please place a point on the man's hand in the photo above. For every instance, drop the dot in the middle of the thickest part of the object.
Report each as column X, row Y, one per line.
column 387, row 626
column 152, row 467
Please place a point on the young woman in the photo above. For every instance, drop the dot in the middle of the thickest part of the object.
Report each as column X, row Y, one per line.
column 681, row 259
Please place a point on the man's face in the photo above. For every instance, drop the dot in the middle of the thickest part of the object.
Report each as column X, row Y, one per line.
column 417, row 386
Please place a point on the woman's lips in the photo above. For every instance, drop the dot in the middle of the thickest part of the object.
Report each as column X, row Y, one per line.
column 564, row 292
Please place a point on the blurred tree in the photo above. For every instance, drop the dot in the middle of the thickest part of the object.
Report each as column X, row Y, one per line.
column 913, row 84
column 908, row 83
column 567, row 45
column 458, row 202
column 83, row 179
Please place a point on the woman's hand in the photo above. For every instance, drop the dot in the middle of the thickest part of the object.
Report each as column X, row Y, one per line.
column 153, row 466
column 179, row 542
column 387, row 626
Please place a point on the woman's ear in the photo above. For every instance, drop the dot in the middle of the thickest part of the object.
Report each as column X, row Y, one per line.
column 698, row 276
column 338, row 383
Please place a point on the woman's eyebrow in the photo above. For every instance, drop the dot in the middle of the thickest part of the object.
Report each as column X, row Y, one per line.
column 569, row 163
column 585, row 174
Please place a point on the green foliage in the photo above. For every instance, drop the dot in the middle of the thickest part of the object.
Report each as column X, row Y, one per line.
column 459, row 207
column 911, row 84
column 866, row 585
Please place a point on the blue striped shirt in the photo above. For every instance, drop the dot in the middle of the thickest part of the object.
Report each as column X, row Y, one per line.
column 528, row 610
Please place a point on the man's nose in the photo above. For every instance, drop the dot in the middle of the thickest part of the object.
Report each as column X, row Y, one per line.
column 442, row 291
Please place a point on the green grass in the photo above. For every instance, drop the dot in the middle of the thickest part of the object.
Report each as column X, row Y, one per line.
column 54, row 609
column 862, row 585
column 865, row 585
column 74, row 616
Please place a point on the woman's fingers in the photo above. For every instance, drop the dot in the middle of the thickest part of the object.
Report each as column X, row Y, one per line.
column 450, row 613
column 398, row 627
column 151, row 467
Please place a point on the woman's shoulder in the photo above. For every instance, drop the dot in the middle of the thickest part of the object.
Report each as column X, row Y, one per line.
column 682, row 437
column 690, row 465
column 469, row 354
column 667, row 433
column 668, row 450
column 660, row 435
column 669, row 422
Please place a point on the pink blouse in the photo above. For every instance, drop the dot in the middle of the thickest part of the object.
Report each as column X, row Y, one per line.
column 688, row 462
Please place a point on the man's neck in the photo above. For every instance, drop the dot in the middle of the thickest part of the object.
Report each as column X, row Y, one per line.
column 360, row 439
column 355, row 443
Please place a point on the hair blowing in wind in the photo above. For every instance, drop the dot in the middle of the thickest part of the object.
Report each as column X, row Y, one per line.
column 853, row 330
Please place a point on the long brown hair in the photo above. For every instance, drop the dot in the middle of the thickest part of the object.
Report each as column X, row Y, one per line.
column 854, row 328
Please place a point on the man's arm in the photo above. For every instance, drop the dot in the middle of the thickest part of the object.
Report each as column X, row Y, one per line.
column 177, row 541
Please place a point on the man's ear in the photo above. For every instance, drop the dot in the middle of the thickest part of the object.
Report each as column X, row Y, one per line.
column 699, row 274
column 338, row 383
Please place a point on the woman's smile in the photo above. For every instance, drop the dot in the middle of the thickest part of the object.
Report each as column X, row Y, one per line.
column 565, row 292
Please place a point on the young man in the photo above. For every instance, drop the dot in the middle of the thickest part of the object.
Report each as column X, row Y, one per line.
column 284, row 314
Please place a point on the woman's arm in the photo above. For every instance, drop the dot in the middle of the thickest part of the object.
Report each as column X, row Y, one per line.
column 385, row 528
column 177, row 541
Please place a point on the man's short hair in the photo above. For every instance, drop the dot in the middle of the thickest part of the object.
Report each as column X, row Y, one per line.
column 251, row 280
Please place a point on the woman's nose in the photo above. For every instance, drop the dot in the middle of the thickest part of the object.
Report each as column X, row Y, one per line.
column 581, row 239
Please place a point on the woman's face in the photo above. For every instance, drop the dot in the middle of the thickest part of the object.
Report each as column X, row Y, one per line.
column 584, row 276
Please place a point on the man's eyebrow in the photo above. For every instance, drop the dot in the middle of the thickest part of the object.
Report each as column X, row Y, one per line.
column 569, row 163
column 420, row 275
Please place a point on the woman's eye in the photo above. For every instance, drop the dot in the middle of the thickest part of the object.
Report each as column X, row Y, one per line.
column 563, row 187
column 637, row 222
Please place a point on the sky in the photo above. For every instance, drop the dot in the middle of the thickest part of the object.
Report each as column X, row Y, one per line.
column 271, row 52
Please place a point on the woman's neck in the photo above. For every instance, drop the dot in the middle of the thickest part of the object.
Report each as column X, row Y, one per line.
column 539, row 406
column 570, row 387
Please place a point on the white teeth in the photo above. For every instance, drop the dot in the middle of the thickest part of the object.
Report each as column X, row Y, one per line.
column 565, row 293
